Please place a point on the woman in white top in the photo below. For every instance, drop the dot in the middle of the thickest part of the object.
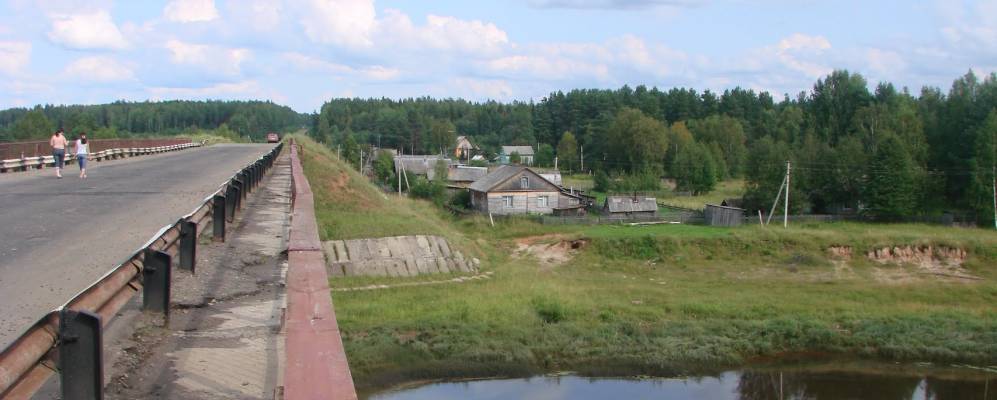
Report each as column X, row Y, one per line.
column 82, row 150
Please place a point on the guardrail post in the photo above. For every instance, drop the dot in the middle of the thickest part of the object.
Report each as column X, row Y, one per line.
column 156, row 281
column 188, row 245
column 240, row 191
column 218, row 218
column 231, row 199
column 81, row 365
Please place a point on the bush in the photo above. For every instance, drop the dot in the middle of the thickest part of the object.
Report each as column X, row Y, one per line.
column 430, row 190
column 550, row 310
column 461, row 200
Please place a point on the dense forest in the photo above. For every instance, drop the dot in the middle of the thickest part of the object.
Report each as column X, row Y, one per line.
column 883, row 151
column 252, row 119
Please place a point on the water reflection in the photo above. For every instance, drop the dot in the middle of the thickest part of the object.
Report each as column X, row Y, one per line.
column 747, row 385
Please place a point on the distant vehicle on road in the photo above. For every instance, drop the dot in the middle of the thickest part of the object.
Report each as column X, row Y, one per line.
column 273, row 137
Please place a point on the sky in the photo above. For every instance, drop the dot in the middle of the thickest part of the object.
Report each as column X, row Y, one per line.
column 302, row 53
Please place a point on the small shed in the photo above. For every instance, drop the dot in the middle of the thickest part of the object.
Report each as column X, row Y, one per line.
column 733, row 202
column 630, row 206
column 722, row 215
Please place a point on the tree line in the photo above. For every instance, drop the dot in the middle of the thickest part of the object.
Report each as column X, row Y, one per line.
column 885, row 151
column 248, row 119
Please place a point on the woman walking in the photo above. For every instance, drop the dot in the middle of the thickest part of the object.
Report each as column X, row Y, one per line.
column 82, row 150
column 58, row 143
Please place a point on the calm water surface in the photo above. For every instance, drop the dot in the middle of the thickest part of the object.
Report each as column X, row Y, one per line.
column 741, row 385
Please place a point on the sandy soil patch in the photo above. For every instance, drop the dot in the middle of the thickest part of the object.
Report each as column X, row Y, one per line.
column 902, row 264
column 550, row 250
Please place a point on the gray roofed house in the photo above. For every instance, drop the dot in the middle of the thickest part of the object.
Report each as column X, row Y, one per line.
column 630, row 205
column 462, row 176
column 525, row 154
column 515, row 189
column 419, row 165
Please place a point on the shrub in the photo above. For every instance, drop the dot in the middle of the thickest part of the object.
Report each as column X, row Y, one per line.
column 430, row 190
column 550, row 310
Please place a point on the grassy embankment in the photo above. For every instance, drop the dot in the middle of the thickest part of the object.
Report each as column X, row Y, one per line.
column 652, row 300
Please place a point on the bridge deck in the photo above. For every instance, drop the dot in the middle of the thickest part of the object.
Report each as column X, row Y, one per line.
column 57, row 236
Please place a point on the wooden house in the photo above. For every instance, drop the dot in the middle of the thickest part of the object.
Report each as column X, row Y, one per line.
column 630, row 206
column 461, row 176
column 464, row 149
column 515, row 189
column 525, row 154
column 424, row 165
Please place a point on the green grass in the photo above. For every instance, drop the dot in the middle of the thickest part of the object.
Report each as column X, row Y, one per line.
column 724, row 190
column 651, row 300
column 348, row 207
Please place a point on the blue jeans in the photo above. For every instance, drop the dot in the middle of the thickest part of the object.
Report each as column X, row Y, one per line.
column 60, row 157
column 82, row 159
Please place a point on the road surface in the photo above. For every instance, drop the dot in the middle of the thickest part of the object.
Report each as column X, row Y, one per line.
column 58, row 236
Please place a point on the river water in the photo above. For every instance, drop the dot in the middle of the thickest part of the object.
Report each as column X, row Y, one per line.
column 817, row 383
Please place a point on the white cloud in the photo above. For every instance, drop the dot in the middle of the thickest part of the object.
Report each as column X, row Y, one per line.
column 614, row 4
column 442, row 33
column 190, row 11
column 98, row 69
column 885, row 63
column 307, row 63
column 220, row 90
column 14, row 56
column 225, row 60
column 552, row 67
column 354, row 24
column 794, row 50
column 94, row 30
column 257, row 15
column 969, row 27
column 347, row 23
column 482, row 88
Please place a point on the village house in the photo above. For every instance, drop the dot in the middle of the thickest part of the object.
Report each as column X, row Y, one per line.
column 525, row 154
column 630, row 206
column 462, row 176
column 515, row 189
column 424, row 165
column 464, row 149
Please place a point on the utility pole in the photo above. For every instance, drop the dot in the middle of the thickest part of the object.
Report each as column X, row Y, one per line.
column 399, row 173
column 785, row 215
column 995, row 194
column 583, row 159
column 555, row 163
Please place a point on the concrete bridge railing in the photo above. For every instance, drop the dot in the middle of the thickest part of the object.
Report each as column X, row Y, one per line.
column 316, row 366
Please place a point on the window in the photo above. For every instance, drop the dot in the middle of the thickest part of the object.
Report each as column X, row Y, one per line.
column 542, row 201
column 507, row 201
column 524, row 182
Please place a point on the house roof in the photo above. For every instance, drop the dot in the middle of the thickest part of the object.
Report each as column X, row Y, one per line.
column 500, row 175
column 422, row 165
column 522, row 150
column 631, row 204
column 467, row 174
column 733, row 202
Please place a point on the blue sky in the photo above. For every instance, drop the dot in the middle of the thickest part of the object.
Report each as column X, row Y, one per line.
column 304, row 52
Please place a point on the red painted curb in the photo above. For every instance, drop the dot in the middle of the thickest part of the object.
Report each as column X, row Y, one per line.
column 316, row 365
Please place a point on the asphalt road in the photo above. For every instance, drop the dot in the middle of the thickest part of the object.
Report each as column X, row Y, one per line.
column 58, row 236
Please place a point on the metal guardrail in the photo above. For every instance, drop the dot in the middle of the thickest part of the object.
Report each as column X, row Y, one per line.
column 15, row 150
column 28, row 163
column 68, row 339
